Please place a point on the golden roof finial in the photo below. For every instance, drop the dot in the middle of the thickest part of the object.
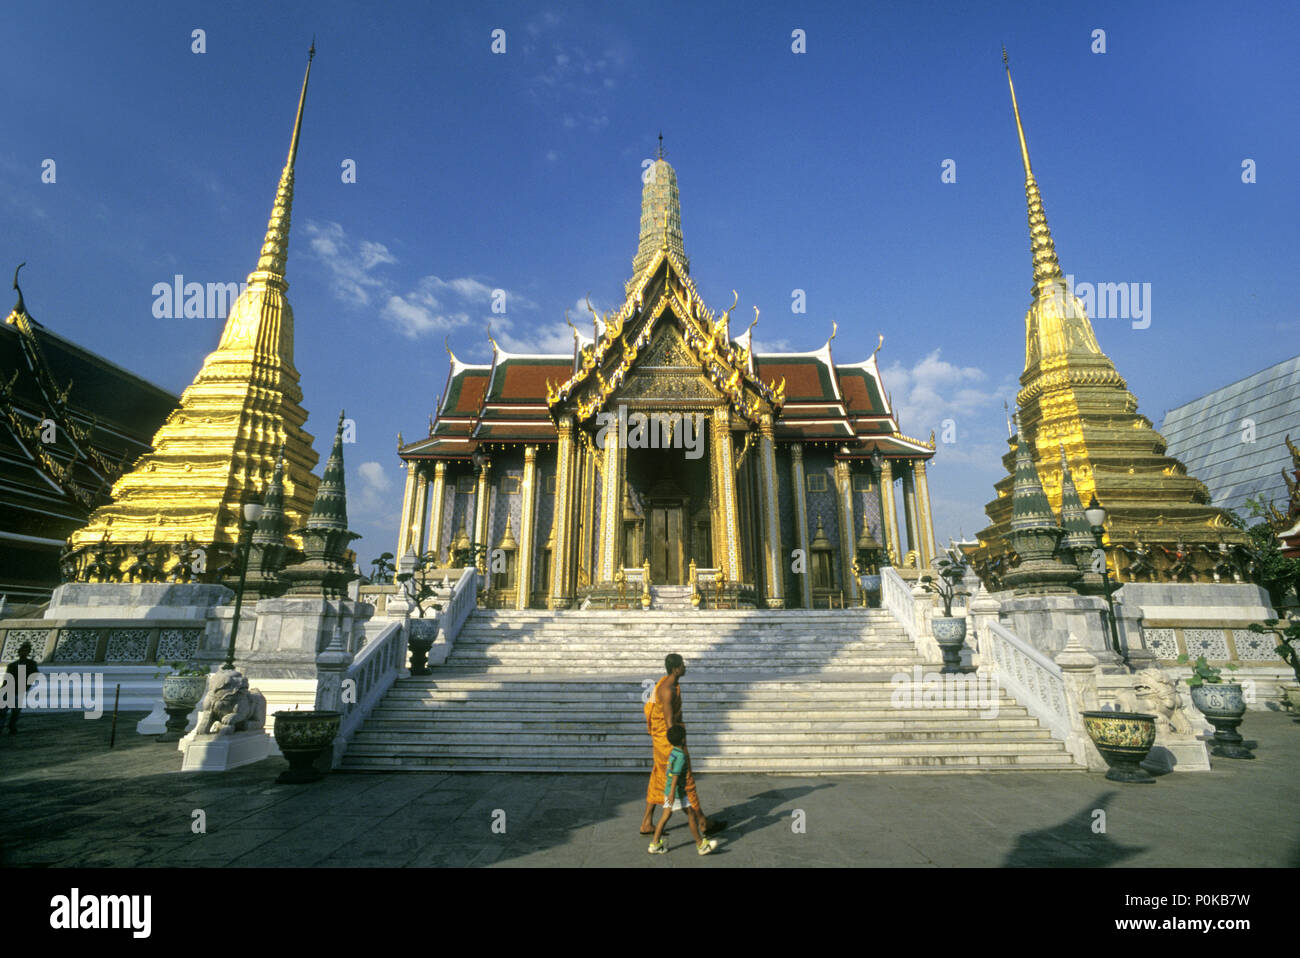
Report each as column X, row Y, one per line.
column 1046, row 265
column 879, row 345
column 835, row 328
column 446, row 342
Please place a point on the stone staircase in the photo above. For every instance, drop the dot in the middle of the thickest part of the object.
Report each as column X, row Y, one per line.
column 794, row 692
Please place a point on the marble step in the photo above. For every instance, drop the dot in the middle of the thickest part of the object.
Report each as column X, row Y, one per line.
column 383, row 760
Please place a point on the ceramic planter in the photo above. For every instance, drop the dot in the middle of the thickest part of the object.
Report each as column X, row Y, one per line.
column 1223, row 704
column 420, row 636
column 950, row 633
column 1123, row 739
column 302, row 736
column 180, row 693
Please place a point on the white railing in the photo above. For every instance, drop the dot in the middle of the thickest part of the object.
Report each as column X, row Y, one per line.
column 455, row 610
column 1032, row 678
column 896, row 596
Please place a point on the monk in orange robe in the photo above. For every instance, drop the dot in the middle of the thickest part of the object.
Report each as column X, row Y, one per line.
column 663, row 711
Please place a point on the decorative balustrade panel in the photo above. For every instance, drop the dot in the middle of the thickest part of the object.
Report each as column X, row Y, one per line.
column 124, row 642
column 1034, row 680
column 896, row 596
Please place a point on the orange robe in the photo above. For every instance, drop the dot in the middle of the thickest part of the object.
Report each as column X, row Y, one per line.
column 662, row 747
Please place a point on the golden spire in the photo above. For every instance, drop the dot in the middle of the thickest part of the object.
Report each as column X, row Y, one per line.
column 661, row 217
column 1046, row 266
column 275, row 248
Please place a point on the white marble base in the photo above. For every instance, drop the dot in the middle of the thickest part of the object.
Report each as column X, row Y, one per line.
column 217, row 753
column 155, row 723
column 1190, row 756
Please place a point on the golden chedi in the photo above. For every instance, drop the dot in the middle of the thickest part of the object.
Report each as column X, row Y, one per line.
column 1072, row 398
column 219, row 448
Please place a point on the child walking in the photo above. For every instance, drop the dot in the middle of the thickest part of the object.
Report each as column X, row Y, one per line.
column 675, row 787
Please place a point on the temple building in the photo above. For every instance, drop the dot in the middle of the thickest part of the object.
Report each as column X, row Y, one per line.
column 1076, row 412
column 72, row 423
column 219, row 449
column 664, row 455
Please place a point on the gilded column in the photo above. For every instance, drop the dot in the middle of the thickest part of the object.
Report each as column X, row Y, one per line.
column 926, row 517
column 801, row 522
column 562, row 530
column 909, row 517
column 844, row 487
column 435, row 520
column 611, row 507
column 727, row 554
column 890, row 518
column 527, row 519
column 481, row 516
column 420, row 518
column 408, row 511
column 771, row 517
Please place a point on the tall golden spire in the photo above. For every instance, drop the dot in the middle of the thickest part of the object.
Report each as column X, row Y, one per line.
column 220, row 447
column 1046, row 266
column 661, row 217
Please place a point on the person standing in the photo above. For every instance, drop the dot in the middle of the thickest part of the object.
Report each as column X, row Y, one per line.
column 19, row 676
column 662, row 712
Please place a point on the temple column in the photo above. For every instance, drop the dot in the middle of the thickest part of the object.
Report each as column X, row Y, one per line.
column 926, row 517
column 408, row 510
column 844, row 487
column 801, row 522
column 435, row 520
column 889, row 518
column 771, row 516
column 420, row 519
column 527, row 519
column 909, row 517
column 481, row 516
column 726, row 553
column 562, row 530
column 611, row 507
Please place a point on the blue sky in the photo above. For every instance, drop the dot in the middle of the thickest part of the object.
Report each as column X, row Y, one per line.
column 818, row 171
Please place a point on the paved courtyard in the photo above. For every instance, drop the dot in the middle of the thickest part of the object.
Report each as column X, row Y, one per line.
column 66, row 799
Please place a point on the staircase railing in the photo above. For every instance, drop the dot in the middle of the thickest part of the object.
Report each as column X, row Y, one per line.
column 896, row 596
column 354, row 686
column 1032, row 678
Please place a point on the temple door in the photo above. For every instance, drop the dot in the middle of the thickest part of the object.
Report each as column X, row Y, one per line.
column 665, row 545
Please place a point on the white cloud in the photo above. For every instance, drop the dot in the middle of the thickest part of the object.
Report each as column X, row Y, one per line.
column 373, row 477
column 349, row 264
column 934, row 390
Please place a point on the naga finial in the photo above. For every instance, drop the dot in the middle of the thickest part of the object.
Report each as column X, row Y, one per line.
column 880, row 343
column 19, row 306
column 835, row 328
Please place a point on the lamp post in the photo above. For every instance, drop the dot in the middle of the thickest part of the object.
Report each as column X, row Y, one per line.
column 252, row 511
column 1097, row 519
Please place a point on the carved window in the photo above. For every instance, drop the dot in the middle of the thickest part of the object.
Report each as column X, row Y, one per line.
column 816, row 482
column 510, row 485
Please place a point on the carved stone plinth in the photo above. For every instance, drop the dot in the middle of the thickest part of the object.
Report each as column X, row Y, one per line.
column 217, row 753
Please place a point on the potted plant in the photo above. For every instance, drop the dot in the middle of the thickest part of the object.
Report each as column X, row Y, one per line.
column 1288, row 647
column 418, row 584
column 182, row 689
column 303, row 735
column 1222, row 703
column 949, row 630
column 1124, row 739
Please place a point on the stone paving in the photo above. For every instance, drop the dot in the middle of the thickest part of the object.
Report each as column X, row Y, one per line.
column 66, row 799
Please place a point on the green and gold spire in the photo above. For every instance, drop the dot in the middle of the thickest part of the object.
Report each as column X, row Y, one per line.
column 661, row 217
column 221, row 446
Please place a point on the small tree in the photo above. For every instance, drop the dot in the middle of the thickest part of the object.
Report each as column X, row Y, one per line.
column 1288, row 645
column 382, row 569
column 419, row 584
column 1203, row 673
column 951, row 568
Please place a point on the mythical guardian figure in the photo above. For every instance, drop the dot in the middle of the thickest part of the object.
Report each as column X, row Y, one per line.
column 230, row 705
column 1156, row 694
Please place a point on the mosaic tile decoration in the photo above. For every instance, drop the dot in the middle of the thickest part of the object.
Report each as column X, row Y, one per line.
column 16, row 637
column 1252, row 647
column 1162, row 642
column 1211, row 643
column 76, row 645
column 127, row 645
column 176, row 645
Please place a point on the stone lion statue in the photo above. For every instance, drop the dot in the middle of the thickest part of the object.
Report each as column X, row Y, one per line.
column 230, row 705
column 1155, row 693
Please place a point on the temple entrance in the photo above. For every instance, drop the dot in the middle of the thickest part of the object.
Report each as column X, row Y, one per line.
column 666, row 545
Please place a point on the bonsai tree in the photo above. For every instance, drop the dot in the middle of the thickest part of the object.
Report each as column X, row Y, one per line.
column 382, row 569
column 419, row 584
column 179, row 668
column 1203, row 673
column 951, row 568
column 1288, row 641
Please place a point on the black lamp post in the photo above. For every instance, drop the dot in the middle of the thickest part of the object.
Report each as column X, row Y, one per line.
column 1097, row 519
column 252, row 511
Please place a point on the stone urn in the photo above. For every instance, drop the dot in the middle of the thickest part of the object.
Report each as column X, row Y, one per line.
column 1123, row 739
column 950, row 632
column 180, row 693
column 420, row 636
column 1224, row 706
column 302, row 737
